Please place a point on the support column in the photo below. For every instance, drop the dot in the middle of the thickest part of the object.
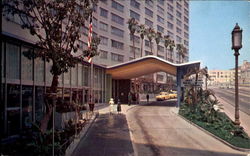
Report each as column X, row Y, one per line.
column 178, row 84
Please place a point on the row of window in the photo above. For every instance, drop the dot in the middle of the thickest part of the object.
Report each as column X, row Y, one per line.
column 115, row 18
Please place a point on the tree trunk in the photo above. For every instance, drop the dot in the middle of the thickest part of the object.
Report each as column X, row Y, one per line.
column 141, row 47
column 134, row 45
column 151, row 47
column 157, row 50
column 48, row 103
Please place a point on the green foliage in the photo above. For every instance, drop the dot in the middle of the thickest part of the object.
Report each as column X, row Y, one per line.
column 206, row 115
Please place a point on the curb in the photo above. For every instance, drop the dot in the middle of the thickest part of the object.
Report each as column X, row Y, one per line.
column 73, row 145
column 216, row 137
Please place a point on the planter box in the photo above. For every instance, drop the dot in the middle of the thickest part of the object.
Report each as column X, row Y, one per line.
column 62, row 118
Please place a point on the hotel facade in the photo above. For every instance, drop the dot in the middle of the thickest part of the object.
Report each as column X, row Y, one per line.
column 24, row 82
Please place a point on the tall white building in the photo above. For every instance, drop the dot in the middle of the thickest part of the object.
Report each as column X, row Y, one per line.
column 170, row 17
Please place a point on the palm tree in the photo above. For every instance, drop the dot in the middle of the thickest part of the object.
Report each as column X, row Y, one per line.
column 132, row 26
column 150, row 34
column 158, row 38
column 181, row 51
column 142, row 31
column 168, row 43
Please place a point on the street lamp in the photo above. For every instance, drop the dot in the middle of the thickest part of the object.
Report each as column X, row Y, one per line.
column 236, row 45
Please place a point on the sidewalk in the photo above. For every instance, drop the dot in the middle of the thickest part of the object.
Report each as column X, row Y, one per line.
column 230, row 111
column 108, row 136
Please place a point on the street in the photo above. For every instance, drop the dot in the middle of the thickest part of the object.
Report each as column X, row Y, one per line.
column 228, row 96
column 158, row 130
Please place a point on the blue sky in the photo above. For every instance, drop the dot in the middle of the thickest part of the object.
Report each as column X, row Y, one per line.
column 211, row 24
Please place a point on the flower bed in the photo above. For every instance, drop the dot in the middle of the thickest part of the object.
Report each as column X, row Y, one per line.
column 219, row 124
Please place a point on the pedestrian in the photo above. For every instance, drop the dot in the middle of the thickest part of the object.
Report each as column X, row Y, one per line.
column 147, row 98
column 129, row 98
column 119, row 109
column 111, row 105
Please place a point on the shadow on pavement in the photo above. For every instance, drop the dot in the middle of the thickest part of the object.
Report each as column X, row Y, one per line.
column 168, row 103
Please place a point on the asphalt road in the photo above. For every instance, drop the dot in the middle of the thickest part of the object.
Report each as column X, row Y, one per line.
column 229, row 96
column 158, row 131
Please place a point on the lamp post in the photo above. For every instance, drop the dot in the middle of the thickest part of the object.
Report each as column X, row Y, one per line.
column 236, row 45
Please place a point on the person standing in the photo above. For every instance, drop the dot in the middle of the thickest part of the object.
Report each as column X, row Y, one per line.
column 129, row 98
column 119, row 109
column 147, row 98
column 111, row 105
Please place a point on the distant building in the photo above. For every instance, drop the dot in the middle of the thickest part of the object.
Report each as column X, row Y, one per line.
column 227, row 77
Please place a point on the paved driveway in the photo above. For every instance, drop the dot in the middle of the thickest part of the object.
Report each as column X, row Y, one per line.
column 157, row 130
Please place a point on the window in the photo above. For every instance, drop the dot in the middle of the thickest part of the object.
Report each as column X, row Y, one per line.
column 178, row 6
column 117, row 57
column 104, row 40
column 186, row 4
column 178, row 39
column 103, row 26
column 94, row 22
column 116, row 44
column 160, row 48
column 117, row 19
column 27, row 64
column 147, row 44
column 79, row 74
column 185, row 19
column 147, row 52
column 134, row 15
column 160, row 19
column 117, row 6
column 159, row 77
column 39, row 70
column 160, row 56
column 103, row 12
column 103, row 54
column 27, row 102
column 39, row 102
column 186, row 35
column 170, row 17
column 116, row 31
column 148, row 12
column 178, row 14
column 160, row 10
column 137, row 50
column 136, row 38
column 170, row 8
column 185, row 27
column 178, row 22
column 149, row 3
column 148, row 23
column 12, row 61
column 74, row 76
column 178, row 30
column 135, row 4
column 161, row 2
column 171, row 34
column 186, row 42
column 160, row 29
column 170, row 25
column 186, row 12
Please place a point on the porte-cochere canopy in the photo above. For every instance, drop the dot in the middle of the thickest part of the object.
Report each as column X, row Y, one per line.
column 146, row 65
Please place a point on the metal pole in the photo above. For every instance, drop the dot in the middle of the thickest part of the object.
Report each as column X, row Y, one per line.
column 237, row 115
column 53, row 123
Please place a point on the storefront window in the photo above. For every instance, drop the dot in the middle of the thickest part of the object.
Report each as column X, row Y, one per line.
column 13, row 109
column 79, row 73
column 85, row 75
column 27, row 64
column 27, row 94
column 67, row 78
column 39, row 103
column 39, row 70
column 12, row 61
column 74, row 76
column 49, row 76
column 66, row 95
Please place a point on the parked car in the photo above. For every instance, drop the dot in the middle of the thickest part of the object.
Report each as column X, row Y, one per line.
column 172, row 94
column 162, row 96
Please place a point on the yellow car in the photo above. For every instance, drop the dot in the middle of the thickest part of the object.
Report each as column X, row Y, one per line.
column 162, row 96
column 173, row 94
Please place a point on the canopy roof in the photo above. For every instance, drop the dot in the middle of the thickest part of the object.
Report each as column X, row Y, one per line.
column 145, row 65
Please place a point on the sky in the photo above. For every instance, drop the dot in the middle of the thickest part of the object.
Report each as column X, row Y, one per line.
column 211, row 24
